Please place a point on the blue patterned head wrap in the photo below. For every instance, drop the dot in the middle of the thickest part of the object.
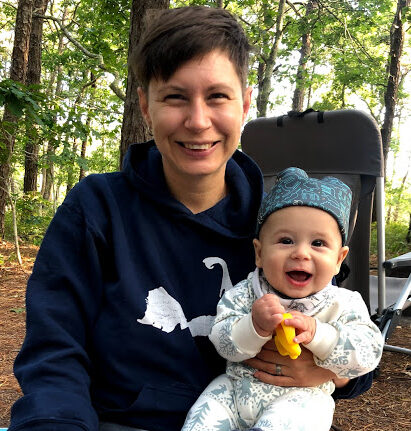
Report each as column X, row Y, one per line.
column 295, row 188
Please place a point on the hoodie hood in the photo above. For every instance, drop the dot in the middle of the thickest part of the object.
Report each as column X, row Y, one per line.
column 232, row 216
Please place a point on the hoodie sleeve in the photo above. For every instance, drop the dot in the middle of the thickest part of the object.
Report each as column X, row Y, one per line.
column 62, row 302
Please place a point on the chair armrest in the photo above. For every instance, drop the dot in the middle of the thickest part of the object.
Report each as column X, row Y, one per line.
column 400, row 261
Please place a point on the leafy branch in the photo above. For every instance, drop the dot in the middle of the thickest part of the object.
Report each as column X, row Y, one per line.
column 114, row 85
column 353, row 39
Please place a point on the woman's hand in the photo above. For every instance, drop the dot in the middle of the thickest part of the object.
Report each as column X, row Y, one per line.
column 300, row 372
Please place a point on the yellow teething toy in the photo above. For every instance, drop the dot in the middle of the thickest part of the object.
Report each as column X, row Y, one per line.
column 284, row 339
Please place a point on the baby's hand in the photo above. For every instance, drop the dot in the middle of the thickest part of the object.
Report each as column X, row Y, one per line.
column 267, row 314
column 305, row 327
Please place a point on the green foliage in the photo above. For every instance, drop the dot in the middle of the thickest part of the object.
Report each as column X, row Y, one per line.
column 398, row 200
column 104, row 159
column 20, row 99
column 33, row 217
column 18, row 310
column 395, row 242
column 349, row 54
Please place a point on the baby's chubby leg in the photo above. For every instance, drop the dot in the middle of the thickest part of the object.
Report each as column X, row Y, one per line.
column 299, row 409
column 214, row 409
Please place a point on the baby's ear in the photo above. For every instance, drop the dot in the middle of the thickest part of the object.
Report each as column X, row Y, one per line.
column 257, row 251
column 341, row 256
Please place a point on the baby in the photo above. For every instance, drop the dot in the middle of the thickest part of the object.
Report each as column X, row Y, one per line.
column 301, row 234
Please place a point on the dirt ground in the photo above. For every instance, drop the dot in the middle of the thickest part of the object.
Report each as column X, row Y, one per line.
column 385, row 407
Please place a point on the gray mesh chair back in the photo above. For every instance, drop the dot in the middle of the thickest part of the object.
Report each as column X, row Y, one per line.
column 345, row 144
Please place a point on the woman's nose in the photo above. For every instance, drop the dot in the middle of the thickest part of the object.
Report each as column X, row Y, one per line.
column 198, row 117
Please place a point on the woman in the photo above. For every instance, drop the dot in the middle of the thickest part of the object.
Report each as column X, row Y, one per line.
column 126, row 282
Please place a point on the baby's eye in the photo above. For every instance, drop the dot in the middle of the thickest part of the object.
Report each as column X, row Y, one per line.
column 286, row 241
column 318, row 243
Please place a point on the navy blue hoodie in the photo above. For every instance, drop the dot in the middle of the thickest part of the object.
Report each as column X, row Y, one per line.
column 122, row 296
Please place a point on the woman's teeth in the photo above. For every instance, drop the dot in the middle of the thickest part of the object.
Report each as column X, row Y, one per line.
column 198, row 147
column 205, row 146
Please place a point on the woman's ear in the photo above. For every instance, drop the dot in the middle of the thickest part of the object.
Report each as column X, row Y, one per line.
column 246, row 102
column 143, row 101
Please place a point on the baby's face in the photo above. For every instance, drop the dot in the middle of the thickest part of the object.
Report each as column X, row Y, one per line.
column 300, row 250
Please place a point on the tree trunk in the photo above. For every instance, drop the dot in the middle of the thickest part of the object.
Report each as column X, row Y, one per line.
column 33, row 78
column 305, row 52
column 15, row 230
column 88, row 121
column 391, row 92
column 48, row 171
column 133, row 128
column 267, row 69
column 70, row 167
column 310, row 87
column 83, row 151
column 18, row 72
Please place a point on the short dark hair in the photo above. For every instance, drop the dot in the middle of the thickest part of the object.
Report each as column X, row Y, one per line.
column 174, row 36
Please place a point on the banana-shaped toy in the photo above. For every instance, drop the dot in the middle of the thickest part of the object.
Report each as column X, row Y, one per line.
column 284, row 339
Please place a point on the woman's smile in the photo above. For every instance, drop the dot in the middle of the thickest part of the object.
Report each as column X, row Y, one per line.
column 197, row 146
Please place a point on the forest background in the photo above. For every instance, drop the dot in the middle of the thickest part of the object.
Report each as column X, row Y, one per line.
column 69, row 107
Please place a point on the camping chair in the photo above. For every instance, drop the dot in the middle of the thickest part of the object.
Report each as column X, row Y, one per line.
column 345, row 144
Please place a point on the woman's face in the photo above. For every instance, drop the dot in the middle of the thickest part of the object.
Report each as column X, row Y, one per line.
column 196, row 116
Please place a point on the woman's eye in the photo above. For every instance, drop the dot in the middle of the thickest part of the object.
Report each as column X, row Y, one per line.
column 218, row 96
column 318, row 243
column 286, row 241
column 174, row 97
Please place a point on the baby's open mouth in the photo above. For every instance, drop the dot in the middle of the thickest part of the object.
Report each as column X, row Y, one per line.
column 299, row 275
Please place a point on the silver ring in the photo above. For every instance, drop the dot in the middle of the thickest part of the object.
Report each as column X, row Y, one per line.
column 278, row 370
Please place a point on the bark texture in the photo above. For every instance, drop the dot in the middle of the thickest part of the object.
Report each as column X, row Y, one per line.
column 305, row 52
column 133, row 128
column 391, row 92
column 33, row 78
column 18, row 73
column 48, row 170
column 266, row 67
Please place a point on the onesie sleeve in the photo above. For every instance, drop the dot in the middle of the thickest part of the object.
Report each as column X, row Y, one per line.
column 350, row 345
column 62, row 302
column 233, row 333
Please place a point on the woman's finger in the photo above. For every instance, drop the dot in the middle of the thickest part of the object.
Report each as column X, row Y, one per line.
column 270, row 345
column 267, row 367
column 274, row 380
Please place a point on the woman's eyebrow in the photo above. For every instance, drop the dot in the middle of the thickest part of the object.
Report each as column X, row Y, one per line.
column 214, row 87
column 220, row 87
column 172, row 87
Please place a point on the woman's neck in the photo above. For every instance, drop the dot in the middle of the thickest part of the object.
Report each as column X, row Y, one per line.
column 198, row 194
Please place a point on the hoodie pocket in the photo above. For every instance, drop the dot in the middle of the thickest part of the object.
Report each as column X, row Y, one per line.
column 176, row 398
column 167, row 399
